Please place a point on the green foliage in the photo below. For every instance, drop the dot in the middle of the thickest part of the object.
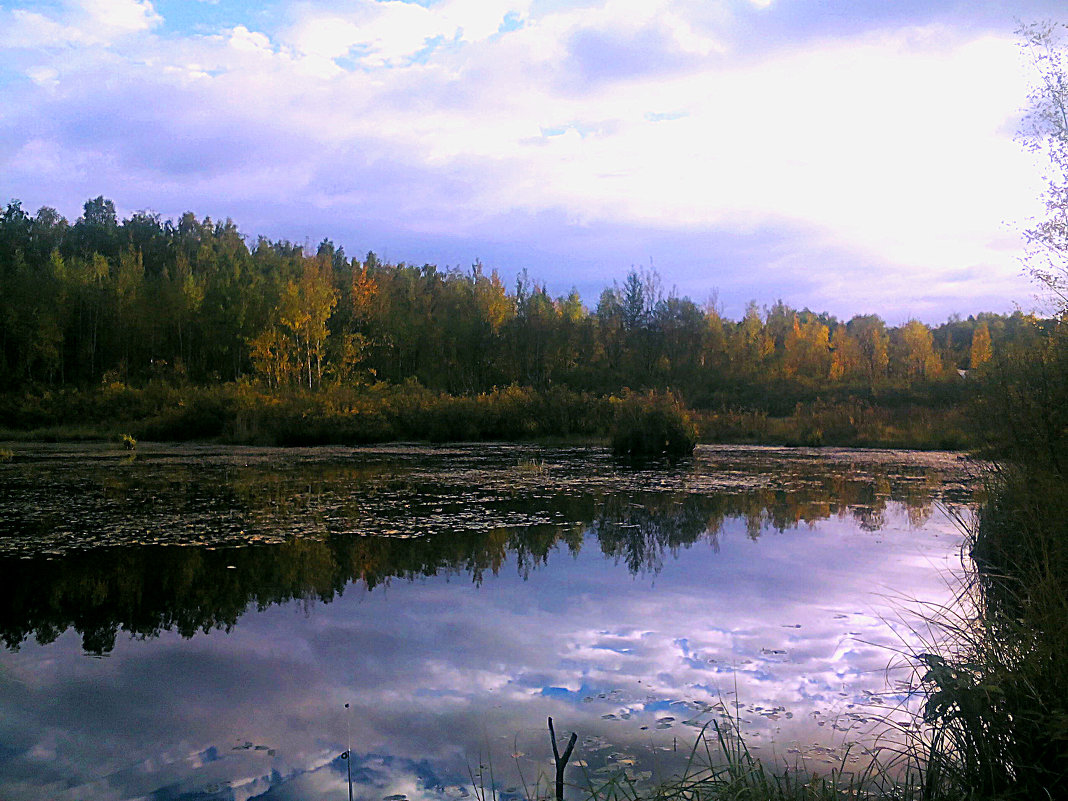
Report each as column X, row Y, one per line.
column 1024, row 401
column 652, row 424
column 246, row 413
column 141, row 300
column 180, row 330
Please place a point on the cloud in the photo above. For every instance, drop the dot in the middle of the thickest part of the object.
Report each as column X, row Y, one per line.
column 81, row 22
column 391, row 32
column 598, row 55
column 428, row 124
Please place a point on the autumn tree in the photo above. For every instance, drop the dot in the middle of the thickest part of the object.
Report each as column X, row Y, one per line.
column 872, row 338
column 917, row 358
column 847, row 358
column 806, row 349
column 751, row 344
column 304, row 309
column 981, row 352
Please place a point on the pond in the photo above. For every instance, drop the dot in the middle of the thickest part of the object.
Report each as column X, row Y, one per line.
column 190, row 622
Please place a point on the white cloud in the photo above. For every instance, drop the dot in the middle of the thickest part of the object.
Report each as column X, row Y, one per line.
column 80, row 22
column 385, row 32
column 116, row 16
column 889, row 145
column 246, row 41
column 28, row 29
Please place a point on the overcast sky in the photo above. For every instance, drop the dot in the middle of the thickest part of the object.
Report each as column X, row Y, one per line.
column 847, row 155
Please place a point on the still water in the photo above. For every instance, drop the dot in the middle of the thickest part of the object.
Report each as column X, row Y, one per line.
column 191, row 621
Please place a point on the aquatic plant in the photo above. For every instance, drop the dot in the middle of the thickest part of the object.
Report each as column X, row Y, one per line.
column 652, row 424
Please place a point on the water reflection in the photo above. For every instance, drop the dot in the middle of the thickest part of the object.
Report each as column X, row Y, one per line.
column 99, row 584
column 454, row 597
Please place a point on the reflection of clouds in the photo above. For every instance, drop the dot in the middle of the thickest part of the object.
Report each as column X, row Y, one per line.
column 438, row 671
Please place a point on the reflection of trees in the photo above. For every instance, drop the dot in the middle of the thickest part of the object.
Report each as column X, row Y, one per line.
column 637, row 531
column 146, row 589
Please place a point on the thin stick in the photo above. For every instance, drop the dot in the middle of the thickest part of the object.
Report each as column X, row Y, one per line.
column 561, row 762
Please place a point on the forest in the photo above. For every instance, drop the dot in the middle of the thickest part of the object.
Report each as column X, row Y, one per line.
column 95, row 312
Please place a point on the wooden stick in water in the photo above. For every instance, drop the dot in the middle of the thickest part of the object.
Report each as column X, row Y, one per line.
column 561, row 762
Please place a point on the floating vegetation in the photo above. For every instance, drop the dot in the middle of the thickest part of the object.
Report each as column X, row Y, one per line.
column 70, row 497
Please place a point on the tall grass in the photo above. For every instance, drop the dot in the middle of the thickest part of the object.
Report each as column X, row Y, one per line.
column 994, row 674
column 720, row 767
column 1003, row 701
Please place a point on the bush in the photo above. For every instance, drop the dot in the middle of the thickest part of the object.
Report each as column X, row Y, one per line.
column 652, row 424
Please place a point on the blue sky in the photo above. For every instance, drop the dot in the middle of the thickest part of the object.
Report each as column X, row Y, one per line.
column 852, row 156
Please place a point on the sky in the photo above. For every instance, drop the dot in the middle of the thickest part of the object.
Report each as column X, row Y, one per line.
column 852, row 156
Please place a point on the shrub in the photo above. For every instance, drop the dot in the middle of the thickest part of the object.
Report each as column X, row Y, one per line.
column 652, row 424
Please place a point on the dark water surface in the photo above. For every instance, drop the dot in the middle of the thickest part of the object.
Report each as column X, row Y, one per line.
column 190, row 622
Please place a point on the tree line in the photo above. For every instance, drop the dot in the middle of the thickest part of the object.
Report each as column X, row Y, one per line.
column 102, row 300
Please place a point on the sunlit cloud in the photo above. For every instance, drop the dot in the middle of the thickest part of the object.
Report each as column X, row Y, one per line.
column 82, row 22
column 428, row 130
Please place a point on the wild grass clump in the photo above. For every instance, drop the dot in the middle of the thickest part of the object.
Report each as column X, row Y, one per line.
column 997, row 687
column 720, row 767
column 6, row 455
column 652, row 424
